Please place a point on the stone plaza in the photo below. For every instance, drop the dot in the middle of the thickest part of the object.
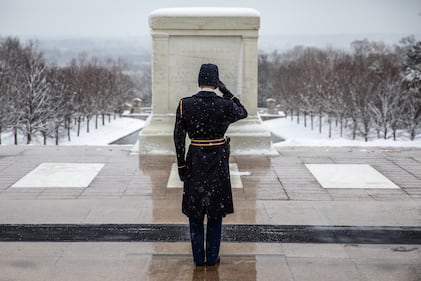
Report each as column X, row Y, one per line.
column 131, row 226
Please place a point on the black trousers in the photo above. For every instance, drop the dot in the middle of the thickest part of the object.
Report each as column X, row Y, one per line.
column 213, row 240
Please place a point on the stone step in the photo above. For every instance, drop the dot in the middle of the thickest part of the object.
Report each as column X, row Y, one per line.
column 230, row 233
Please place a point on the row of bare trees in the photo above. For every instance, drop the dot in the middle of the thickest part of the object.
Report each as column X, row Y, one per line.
column 373, row 88
column 39, row 98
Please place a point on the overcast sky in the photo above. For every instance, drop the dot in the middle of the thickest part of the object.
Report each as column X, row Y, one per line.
column 127, row 18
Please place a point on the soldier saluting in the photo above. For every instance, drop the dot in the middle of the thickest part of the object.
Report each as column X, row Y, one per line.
column 205, row 117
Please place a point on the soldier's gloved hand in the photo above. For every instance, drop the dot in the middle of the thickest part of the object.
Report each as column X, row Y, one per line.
column 224, row 90
column 182, row 173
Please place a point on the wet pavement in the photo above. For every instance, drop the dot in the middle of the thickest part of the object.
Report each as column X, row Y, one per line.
column 279, row 193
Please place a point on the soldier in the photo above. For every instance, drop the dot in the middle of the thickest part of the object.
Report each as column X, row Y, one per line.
column 205, row 117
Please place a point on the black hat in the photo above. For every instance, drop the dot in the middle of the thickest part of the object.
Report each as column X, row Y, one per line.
column 208, row 75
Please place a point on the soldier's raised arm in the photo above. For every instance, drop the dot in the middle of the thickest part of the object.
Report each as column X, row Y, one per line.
column 238, row 110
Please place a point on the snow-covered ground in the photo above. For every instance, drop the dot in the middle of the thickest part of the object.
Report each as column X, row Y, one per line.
column 108, row 133
column 102, row 136
column 298, row 135
column 293, row 133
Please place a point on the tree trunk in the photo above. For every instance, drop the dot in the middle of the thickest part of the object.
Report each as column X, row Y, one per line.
column 320, row 123
column 28, row 138
column 341, row 124
column 44, row 136
column 68, row 129
column 96, row 121
column 312, row 120
column 109, row 118
column 78, row 126
column 15, row 132
column 366, row 132
column 103, row 119
column 354, row 129
column 57, row 136
column 412, row 135
column 385, row 132
column 330, row 127
column 0, row 135
column 88, row 118
column 305, row 119
column 298, row 117
column 292, row 115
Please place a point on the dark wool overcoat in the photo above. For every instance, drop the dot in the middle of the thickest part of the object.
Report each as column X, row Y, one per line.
column 207, row 185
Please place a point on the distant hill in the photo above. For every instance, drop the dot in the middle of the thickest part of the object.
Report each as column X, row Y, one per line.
column 136, row 51
column 338, row 41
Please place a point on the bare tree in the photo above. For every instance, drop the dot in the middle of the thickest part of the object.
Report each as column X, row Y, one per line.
column 5, row 87
column 34, row 93
column 13, row 68
column 386, row 106
column 411, row 81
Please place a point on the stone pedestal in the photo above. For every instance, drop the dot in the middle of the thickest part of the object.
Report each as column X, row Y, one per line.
column 136, row 105
column 182, row 40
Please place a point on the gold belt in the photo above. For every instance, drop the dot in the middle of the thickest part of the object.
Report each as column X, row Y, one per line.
column 213, row 142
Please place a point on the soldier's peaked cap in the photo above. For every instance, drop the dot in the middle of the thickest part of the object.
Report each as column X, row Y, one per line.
column 208, row 75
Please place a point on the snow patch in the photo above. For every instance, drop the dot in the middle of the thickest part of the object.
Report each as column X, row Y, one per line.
column 205, row 12
column 57, row 175
column 298, row 135
column 349, row 176
column 104, row 135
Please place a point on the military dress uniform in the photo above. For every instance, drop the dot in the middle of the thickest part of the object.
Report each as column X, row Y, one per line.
column 205, row 118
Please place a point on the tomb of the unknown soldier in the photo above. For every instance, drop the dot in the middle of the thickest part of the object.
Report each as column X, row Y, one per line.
column 182, row 40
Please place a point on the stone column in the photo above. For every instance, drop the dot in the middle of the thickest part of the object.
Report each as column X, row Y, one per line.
column 250, row 85
column 182, row 40
column 160, row 72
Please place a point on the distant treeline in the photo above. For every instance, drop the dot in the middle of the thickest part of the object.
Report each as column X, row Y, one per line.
column 373, row 88
column 39, row 98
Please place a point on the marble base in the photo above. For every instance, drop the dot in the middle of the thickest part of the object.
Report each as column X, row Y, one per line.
column 175, row 182
column 349, row 176
column 248, row 137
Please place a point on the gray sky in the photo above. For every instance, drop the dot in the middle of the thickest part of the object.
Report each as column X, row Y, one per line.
column 127, row 18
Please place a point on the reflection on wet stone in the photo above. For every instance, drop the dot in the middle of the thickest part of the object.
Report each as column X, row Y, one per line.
column 167, row 267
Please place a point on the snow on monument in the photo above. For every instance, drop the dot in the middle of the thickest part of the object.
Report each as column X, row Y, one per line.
column 182, row 40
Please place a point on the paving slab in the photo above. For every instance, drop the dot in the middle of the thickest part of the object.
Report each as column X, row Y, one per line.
column 60, row 175
column 350, row 176
column 239, row 261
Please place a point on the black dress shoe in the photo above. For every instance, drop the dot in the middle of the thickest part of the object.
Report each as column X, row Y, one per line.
column 213, row 264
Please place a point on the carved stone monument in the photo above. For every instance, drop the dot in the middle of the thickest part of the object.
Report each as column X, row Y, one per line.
column 271, row 106
column 136, row 105
column 182, row 40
